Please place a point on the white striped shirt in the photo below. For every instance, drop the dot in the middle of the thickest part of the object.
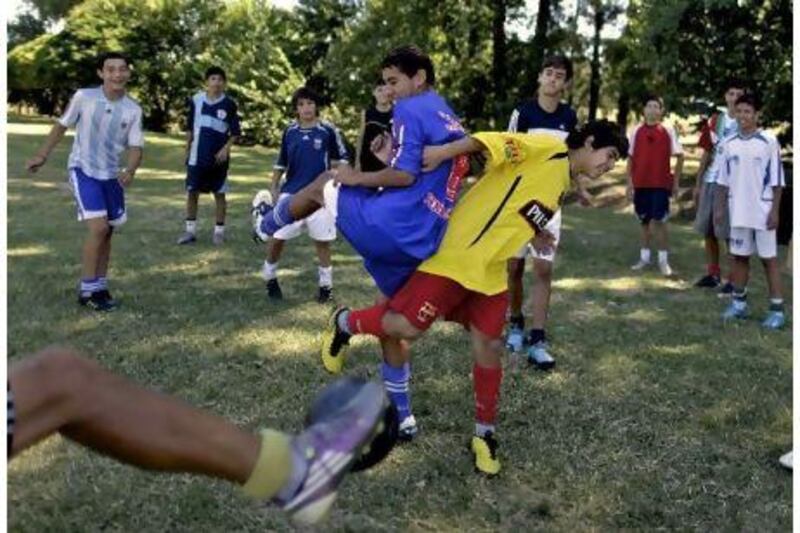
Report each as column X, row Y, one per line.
column 103, row 130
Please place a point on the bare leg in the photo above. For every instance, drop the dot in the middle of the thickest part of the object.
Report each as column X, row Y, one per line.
column 543, row 272
column 740, row 271
column 323, row 253
column 660, row 230
column 93, row 245
column 645, row 236
column 104, row 255
column 306, row 201
column 60, row 391
column 773, row 277
column 275, row 250
column 712, row 250
column 192, row 199
column 221, row 205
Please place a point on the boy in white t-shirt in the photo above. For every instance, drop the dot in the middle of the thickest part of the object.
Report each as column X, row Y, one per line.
column 750, row 180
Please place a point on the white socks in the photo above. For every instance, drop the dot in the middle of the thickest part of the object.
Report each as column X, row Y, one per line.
column 191, row 226
column 270, row 271
column 325, row 276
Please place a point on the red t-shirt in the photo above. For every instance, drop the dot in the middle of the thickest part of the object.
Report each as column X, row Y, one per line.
column 651, row 148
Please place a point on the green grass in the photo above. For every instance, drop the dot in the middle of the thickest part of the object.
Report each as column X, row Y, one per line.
column 657, row 416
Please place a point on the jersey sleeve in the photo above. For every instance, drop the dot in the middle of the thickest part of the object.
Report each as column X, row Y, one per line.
column 283, row 155
column 675, row 145
column 337, row 151
column 705, row 142
column 73, row 112
column 235, row 126
column 513, row 121
column 408, row 140
column 136, row 133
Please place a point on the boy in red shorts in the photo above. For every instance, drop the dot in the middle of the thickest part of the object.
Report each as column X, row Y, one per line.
column 465, row 281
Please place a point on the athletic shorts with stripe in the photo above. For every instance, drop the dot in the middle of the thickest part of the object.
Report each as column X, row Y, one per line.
column 96, row 198
column 426, row 297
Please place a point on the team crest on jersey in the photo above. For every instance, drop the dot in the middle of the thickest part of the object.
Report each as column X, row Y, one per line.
column 512, row 152
column 536, row 215
column 317, row 144
column 451, row 123
column 427, row 312
column 221, row 114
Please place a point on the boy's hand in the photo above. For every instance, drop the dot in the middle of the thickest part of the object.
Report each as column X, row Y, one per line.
column 35, row 163
column 345, row 175
column 772, row 220
column 223, row 155
column 125, row 178
column 543, row 242
column 432, row 157
column 381, row 147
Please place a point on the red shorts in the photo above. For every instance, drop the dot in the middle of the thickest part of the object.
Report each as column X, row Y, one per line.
column 426, row 297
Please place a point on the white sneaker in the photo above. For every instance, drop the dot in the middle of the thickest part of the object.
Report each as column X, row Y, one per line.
column 786, row 460
column 640, row 265
column 408, row 429
column 665, row 269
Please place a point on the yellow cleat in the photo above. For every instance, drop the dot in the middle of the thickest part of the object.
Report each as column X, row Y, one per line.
column 334, row 344
column 484, row 449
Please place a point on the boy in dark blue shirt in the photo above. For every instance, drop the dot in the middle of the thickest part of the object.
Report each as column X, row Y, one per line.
column 213, row 127
column 309, row 147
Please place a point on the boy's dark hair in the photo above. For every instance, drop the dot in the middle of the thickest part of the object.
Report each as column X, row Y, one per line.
column 605, row 133
column 560, row 62
column 409, row 59
column 216, row 71
column 306, row 93
column 105, row 56
column 652, row 97
column 736, row 83
column 750, row 99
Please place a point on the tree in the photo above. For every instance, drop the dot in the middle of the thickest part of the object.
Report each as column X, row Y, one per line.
column 600, row 12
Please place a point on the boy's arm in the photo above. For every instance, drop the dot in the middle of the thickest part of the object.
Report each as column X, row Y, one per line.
column 678, row 172
column 629, row 178
column 433, row 156
column 40, row 158
column 388, row 177
column 135, row 154
column 774, row 213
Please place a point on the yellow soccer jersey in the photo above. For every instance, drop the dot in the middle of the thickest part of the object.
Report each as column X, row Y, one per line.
column 525, row 179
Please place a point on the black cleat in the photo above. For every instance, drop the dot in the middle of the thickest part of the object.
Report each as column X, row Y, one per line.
column 96, row 302
column 274, row 290
column 708, row 282
column 325, row 295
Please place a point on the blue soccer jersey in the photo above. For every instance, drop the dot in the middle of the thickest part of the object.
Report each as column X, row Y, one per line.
column 212, row 123
column 396, row 228
column 308, row 152
column 529, row 117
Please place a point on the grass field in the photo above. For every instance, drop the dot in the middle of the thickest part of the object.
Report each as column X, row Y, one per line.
column 657, row 416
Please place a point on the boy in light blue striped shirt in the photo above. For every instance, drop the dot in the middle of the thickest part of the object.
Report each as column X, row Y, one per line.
column 107, row 122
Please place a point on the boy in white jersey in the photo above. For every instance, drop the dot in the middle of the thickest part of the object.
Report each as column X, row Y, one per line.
column 750, row 181
column 107, row 122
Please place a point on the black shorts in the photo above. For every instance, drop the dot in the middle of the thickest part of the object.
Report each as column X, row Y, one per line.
column 651, row 204
column 207, row 179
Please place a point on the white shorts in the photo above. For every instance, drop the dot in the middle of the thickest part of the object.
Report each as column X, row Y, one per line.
column 321, row 226
column 554, row 227
column 745, row 241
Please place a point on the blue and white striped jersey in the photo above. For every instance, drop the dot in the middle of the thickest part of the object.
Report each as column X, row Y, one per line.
column 103, row 130
column 212, row 123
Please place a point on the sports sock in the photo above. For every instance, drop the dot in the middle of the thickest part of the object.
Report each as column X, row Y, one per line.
column 342, row 321
column 396, row 382
column 517, row 321
column 191, row 226
column 270, row 270
column 88, row 286
column 102, row 283
column 644, row 254
column 482, row 429
column 219, row 229
column 368, row 321
column 536, row 335
column 325, row 276
column 279, row 217
column 663, row 256
column 275, row 469
column 713, row 269
column 486, row 384
column 739, row 298
column 776, row 304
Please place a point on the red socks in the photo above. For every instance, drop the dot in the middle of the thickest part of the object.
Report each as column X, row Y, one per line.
column 368, row 321
column 486, row 383
column 713, row 270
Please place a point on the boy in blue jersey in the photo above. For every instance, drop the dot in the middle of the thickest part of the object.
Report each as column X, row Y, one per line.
column 309, row 147
column 107, row 122
column 396, row 217
column 212, row 129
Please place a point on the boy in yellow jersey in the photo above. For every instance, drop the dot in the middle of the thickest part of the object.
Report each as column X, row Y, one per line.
column 525, row 179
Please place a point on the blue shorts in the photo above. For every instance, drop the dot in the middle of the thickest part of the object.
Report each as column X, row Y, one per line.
column 388, row 265
column 207, row 179
column 98, row 198
column 651, row 204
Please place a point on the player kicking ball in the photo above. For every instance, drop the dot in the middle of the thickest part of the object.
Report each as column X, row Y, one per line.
column 525, row 179
column 59, row 391
column 396, row 217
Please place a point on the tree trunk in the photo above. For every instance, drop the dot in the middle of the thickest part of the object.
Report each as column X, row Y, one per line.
column 499, row 49
column 539, row 42
column 623, row 110
column 594, row 83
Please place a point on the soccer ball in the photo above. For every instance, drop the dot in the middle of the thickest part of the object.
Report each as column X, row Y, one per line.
column 337, row 394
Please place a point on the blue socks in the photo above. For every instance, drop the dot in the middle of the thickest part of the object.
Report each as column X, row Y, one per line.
column 88, row 286
column 396, row 382
column 278, row 218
